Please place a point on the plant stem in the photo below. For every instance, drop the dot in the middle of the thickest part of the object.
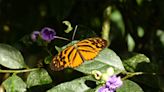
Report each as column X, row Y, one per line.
column 129, row 74
column 62, row 38
column 18, row 71
column 106, row 24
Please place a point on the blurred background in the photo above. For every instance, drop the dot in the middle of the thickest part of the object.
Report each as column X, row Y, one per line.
column 136, row 26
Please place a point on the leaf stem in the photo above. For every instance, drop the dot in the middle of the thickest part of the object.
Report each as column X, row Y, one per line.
column 62, row 38
column 18, row 71
column 131, row 74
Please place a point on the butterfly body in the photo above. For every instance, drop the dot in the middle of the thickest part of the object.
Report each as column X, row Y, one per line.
column 74, row 55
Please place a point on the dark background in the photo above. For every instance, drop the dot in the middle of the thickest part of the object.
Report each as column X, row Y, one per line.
column 19, row 18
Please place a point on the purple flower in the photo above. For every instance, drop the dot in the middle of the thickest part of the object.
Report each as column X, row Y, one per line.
column 48, row 34
column 105, row 89
column 35, row 35
column 112, row 84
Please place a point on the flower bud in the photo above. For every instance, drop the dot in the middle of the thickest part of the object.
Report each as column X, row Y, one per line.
column 97, row 74
column 105, row 76
column 110, row 71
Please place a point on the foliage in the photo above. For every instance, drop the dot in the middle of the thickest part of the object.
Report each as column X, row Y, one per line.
column 14, row 84
column 129, row 86
column 11, row 57
column 133, row 29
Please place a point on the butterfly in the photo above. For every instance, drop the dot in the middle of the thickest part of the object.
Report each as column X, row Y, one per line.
column 74, row 55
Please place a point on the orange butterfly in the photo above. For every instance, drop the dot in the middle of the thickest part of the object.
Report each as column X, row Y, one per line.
column 74, row 55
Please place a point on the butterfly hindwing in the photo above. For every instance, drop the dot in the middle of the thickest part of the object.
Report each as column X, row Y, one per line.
column 74, row 55
column 61, row 60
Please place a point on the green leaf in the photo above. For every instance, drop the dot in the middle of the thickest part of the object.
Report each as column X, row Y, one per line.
column 77, row 85
column 106, row 58
column 129, row 86
column 58, row 48
column 117, row 18
column 160, row 34
column 69, row 27
column 11, row 57
column 130, row 43
column 14, row 84
column 140, row 32
column 139, row 2
column 48, row 59
column 38, row 77
column 133, row 61
column 94, row 89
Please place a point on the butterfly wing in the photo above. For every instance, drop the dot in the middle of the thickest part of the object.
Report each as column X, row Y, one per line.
column 69, row 57
column 89, row 48
column 74, row 55
column 60, row 61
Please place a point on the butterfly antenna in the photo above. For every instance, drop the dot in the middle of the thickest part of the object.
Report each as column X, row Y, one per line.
column 74, row 32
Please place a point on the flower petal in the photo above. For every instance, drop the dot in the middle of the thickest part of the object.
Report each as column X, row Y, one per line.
column 34, row 35
column 113, row 82
column 103, row 89
column 48, row 34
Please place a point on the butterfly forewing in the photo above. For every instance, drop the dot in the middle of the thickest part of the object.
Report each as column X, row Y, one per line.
column 74, row 55
column 89, row 48
column 76, row 60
